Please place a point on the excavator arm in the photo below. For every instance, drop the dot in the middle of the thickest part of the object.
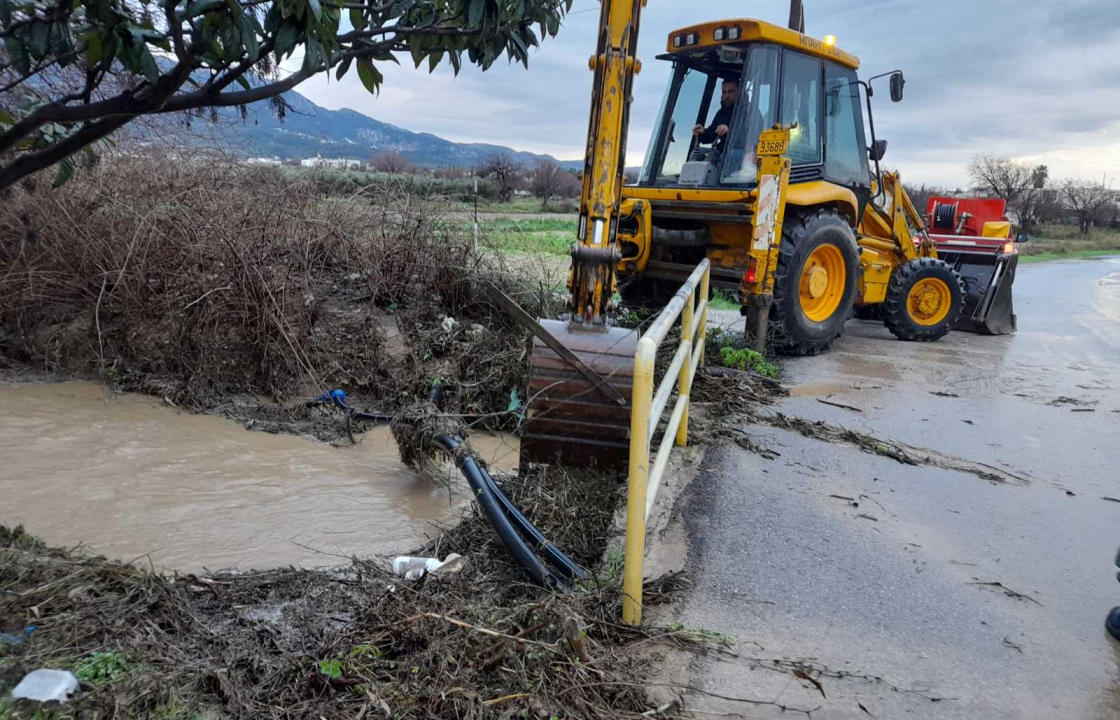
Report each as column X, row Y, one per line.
column 595, row 255
column 580, row 386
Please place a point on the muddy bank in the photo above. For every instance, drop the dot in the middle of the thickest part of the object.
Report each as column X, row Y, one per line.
column 218, row 287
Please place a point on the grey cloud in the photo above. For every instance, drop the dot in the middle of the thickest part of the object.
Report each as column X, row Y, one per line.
column 1020, row 78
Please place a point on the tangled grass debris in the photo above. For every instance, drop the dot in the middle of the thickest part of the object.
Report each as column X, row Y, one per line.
column 349, row 642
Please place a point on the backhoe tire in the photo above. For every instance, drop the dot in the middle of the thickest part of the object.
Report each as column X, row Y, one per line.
column 815, row 282
column 924, row 300
column 647, row 292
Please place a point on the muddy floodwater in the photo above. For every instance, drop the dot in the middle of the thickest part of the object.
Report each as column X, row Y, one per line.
column 135, row 479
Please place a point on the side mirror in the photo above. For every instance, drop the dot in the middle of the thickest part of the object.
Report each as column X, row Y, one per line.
column 1022, row 237
column 897, row 83
column 877, row 150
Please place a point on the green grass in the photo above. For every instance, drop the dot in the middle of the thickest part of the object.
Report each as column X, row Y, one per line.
column 526, row 205
column 533, row 236
column 536, row 243
column 1066, row 254
column 103, row 668
column 505, row 224
column 723, row 300
column 730, row 348
column 747, row 359
column 1054, row 242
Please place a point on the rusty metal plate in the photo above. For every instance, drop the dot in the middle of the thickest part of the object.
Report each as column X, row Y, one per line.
column 567, row 419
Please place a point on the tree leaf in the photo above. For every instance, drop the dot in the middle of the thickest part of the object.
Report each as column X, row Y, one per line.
column 285, row 39
column 312, row 54
column 343, row 68
column 249, row 38
column 197, row 7
column 433, row 60
column 93, row 49
column 5, row 13
column 40, row 38
column 474, row 14
column 17, row 54
column 148, row 65
column 65, row 172
column 357, row 18
column 316, row 9
column 370, row 76
column 6, row 117
column 240, row 79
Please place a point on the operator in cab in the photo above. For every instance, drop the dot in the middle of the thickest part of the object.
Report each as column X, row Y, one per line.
column 717, row 131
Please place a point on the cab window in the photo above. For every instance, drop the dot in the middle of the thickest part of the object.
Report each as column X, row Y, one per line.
column 845, row 160
column 801, row 104
column 685, row 104
column 756, row 110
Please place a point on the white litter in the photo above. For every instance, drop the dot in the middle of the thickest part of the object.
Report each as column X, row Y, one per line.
column 44, row 685
column 411, row 568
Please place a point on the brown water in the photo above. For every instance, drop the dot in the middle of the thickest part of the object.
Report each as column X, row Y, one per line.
column 131, row 477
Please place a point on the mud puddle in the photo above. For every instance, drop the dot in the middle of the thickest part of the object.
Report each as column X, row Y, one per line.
column 131, row 477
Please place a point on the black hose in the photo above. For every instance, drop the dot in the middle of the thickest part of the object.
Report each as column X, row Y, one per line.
column 484, row 486
column 555, row 557
column 483, row 492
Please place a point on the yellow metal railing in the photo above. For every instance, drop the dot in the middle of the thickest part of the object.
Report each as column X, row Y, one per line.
column 690, row 304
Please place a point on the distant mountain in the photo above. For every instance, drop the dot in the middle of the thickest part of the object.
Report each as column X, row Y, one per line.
column 309, row 130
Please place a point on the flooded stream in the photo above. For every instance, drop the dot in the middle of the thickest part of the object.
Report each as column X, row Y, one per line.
column 135, row 479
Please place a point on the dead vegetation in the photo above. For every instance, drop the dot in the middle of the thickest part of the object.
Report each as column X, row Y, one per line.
column 202, row 282
column 212, row 285
column 349, row 643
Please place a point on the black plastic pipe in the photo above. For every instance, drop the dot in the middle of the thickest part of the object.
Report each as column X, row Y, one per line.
column 483, row 492
column 555, row 557
column 510, row 516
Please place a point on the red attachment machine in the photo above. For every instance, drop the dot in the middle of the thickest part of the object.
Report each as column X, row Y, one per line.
column 975, row 236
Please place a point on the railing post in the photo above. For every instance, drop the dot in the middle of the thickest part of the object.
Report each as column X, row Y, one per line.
column 684, row 377
column 702, row 331
column 640, row 402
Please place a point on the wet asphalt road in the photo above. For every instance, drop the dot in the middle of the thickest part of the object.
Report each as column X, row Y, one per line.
column 890, row 605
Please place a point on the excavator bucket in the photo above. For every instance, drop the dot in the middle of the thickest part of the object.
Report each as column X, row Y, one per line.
column 570, row 418
column 987, row 279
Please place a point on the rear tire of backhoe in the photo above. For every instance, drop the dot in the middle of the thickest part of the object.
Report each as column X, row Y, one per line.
column 924, row 300
column 815, row 282
column 647, row 292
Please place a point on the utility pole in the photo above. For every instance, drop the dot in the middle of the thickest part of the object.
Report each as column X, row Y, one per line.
column 474, row 231
column 796, row 16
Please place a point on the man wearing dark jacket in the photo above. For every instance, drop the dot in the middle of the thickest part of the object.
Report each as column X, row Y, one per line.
column 729, row 95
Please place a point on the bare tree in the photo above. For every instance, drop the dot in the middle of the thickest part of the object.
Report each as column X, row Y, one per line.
column 1001, row 177
column 920, row 194
column 544, row 181
column 388, row 161
column 1088, row 201
column 505, row 171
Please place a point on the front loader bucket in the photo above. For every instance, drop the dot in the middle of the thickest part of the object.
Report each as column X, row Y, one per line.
column 988, row 307
column 568, row 419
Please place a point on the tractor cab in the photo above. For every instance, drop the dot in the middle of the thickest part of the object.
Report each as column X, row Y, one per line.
column 779, row 76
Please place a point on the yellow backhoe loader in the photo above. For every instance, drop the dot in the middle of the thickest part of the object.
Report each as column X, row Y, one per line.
column 759, row 162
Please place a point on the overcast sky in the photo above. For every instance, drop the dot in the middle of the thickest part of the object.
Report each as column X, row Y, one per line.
column 1033, row 79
